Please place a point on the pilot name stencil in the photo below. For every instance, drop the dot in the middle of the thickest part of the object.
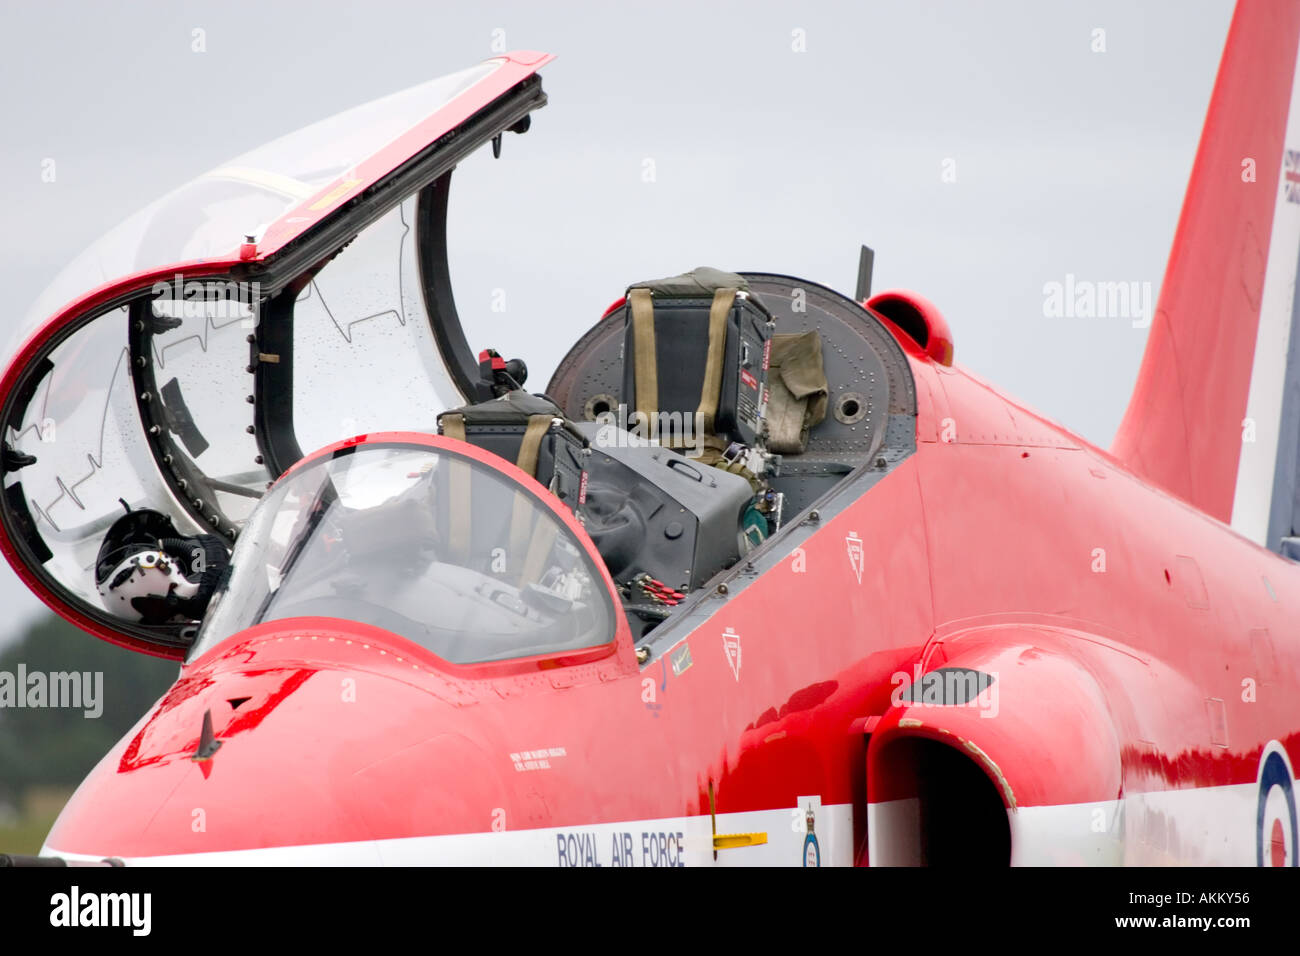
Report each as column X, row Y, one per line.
column 527, row 760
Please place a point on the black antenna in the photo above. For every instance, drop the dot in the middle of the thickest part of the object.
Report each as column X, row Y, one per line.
column 866, row 259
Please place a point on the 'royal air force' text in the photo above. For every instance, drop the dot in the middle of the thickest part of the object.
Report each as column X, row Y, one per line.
column 619, row 849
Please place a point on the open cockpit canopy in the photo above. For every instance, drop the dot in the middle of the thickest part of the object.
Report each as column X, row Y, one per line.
column 294, row 296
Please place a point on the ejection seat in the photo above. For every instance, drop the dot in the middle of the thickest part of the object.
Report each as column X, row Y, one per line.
column 532, row 433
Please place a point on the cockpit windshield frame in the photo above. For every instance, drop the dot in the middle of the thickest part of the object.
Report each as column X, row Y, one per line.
column 524, row 595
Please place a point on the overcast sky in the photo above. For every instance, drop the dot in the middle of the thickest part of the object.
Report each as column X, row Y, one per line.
column 781, row 136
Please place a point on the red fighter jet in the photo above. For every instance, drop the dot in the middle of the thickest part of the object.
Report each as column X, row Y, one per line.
column 760, row 577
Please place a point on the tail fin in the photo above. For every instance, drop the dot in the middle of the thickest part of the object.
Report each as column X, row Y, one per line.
column 1215, row 415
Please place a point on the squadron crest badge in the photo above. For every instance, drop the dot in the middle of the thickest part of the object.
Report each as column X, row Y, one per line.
column 856, row 559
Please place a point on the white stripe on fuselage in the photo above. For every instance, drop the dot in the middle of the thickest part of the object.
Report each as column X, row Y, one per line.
column 1201, row 826
column 1205, row 826
column 673, row 841
column 1257, row 464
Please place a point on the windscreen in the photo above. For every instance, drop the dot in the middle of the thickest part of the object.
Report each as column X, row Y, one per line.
column 435, row 547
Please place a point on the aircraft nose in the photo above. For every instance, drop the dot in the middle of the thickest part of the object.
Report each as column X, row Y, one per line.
column 330, row 740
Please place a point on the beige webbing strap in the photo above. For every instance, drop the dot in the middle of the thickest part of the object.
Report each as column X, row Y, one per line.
column 539, row 549
column 645, row 365
column 787, row 425
column 458, row 486
column 453, row 426
column 521, row 515
column 723, row 299
column 532, row 443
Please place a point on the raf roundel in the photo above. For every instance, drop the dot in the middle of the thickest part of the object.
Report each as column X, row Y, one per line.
column 1276, row 838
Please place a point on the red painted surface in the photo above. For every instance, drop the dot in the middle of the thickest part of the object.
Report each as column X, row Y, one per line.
column 937, row 341
column 1182, row 430
column 622, row 301
column 1103, row 675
